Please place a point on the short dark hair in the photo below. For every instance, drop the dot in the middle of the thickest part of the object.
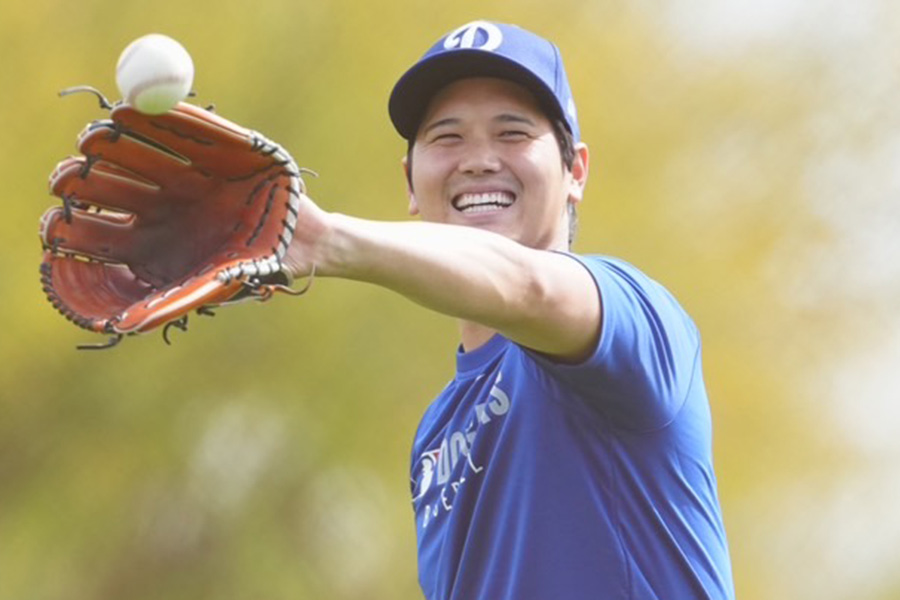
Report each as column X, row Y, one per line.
column 566, row 142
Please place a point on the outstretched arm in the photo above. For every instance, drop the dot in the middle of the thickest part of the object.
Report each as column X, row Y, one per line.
column 540, row 299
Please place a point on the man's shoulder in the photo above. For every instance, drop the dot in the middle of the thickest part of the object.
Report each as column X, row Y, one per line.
column 619, row 279
column 617, row 266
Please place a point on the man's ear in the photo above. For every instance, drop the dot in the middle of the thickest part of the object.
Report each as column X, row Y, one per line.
column 413, row 205
column 579, row 171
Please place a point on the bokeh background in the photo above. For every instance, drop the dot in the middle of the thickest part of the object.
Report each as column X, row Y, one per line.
column 745, row 153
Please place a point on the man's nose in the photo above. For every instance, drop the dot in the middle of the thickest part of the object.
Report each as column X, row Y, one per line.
column 480, row 157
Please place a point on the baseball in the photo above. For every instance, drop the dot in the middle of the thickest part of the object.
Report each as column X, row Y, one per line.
column 154, row 73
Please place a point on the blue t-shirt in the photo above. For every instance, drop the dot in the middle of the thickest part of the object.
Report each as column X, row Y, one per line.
column 534, row 480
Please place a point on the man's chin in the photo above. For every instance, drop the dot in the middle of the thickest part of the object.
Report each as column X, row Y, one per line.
column 495, row 221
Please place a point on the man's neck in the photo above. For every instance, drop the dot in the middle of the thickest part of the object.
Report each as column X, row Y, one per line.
column 474, row 335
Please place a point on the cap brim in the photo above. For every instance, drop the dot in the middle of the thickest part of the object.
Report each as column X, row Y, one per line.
column 410, row 98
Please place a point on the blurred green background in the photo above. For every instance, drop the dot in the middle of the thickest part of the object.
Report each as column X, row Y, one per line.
column 747, row 154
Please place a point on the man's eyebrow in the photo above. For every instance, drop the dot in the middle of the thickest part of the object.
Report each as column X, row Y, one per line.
column 514, row 118
column 501, row 118
column 441, row 123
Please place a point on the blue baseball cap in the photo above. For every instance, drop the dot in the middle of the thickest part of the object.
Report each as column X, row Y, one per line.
column 484, row 49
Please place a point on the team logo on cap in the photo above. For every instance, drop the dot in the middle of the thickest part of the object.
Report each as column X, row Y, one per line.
column 478, row 35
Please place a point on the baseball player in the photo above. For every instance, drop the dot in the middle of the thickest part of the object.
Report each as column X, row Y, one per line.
column 570, row 456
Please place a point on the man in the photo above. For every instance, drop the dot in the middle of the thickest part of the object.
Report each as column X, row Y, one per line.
column 570, row 457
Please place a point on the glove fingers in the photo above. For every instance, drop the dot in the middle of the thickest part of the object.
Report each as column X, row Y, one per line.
column 103, row 184
column 100, row 236
column 213, row 144
column 144, row 157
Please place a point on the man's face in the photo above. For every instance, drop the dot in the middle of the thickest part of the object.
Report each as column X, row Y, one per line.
column 486, row 156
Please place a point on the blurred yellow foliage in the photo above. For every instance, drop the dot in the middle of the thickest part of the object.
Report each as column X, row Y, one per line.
column 745, row 154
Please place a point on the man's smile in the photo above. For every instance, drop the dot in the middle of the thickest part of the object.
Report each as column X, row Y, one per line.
column 477, row 202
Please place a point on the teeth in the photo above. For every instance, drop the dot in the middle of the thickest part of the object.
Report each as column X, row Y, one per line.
column 481, row 208
column 483, row 202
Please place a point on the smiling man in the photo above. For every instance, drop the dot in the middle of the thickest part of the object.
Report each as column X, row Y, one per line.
column 487, row 156
column 570, row 457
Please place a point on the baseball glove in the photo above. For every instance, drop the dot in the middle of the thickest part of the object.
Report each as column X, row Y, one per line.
column 163, row 215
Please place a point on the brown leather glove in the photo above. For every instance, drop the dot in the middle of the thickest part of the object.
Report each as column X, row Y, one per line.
column 163, row 215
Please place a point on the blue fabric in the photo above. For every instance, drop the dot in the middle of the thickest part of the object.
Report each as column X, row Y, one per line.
column 536, row 480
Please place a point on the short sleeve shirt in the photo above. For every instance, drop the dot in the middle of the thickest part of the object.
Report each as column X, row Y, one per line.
column 534, row 480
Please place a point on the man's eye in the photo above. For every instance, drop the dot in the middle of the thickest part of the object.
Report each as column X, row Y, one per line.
column 446, row 137
column 514, row 134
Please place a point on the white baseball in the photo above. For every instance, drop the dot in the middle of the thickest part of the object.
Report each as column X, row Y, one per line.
column 154, row 73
